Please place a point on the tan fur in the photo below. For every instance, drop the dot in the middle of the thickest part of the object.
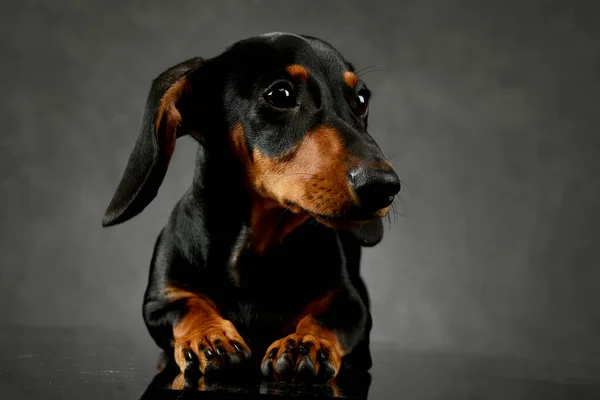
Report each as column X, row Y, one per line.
column 351, row 79
column 312, row 175
column 168, row 114
column 310, row 180
column 310, row 331
column 298, row 72
column 200, row 327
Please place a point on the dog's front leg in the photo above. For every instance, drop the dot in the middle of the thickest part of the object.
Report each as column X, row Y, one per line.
column 321, row 339
column 201, row 337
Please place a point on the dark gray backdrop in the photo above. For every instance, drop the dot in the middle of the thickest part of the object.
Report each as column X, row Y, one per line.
column 489, row 110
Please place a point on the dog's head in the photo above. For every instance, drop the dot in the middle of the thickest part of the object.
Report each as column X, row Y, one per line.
column 291, row 110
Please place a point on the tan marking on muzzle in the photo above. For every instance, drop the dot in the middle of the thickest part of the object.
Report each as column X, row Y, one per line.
column 312, row 175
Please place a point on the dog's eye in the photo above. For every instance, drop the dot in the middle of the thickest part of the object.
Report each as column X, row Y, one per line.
column 362, row 102
column 281, row 95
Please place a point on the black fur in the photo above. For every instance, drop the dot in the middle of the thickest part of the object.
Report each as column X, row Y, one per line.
column 260, row 293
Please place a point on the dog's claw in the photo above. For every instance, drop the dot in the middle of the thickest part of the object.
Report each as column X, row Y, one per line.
column 211, row 351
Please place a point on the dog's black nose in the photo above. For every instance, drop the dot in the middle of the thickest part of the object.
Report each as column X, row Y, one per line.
column 375, row 188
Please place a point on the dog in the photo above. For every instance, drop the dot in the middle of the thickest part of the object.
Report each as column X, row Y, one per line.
column 259, row 262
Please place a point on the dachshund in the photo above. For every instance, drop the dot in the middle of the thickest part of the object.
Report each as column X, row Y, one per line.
column 259, row 262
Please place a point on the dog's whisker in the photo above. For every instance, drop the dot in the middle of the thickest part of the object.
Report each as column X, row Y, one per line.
column 364, row 68
column 389, row 158
column 315, row 178
column 403, row 203
column 369, row 68
column 283, row 213
column 301, row 173
column 389, row 221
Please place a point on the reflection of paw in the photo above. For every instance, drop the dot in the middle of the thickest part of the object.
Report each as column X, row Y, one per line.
column 300, row 357
column 211, row 348
column 191, row 383
column 320, row 390
column 181, row 382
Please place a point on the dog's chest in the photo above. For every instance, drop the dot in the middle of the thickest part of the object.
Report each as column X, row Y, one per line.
column 271, row 289
column 308, row 258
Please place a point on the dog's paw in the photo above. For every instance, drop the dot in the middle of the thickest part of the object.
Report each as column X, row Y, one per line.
column 211, row 348
column 301, row 358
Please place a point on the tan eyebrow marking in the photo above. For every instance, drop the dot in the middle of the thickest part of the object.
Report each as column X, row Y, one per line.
column 297, row 71
column 351, row 79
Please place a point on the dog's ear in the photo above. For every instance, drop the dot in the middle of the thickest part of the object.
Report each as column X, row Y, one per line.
column 162, row 123
column 369, row 234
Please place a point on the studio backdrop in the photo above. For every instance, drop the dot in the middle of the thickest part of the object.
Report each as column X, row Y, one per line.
column 487, row 109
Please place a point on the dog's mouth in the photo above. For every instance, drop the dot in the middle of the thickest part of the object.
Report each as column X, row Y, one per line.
column 346, row 220
column 339, row 222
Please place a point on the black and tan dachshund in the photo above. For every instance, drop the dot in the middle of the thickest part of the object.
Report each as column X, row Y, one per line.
column 258, row 263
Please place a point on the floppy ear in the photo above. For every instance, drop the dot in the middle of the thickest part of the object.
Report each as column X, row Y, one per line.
column 161, row 125
column 369, row 234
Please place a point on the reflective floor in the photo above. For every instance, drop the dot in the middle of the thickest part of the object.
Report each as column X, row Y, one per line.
column 86, row 363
